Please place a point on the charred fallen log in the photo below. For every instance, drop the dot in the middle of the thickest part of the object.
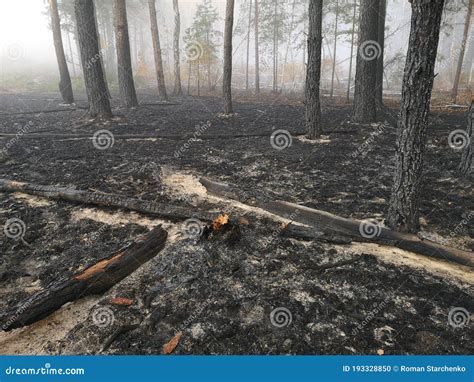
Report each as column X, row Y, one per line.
column 328, row 223
column 95, row 279
column 162, row 210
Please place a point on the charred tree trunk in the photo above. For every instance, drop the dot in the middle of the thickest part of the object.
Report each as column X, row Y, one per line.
column 366, row 70
column 465, row 167
column 124, row 60
column 227, row 80
column 335, row 49
column 65, row 87
column 275, row 46
column 257, row 59
column 313, row 70
column 380, row 61
column 177, row 65
column 157, row 51
column 457, row 77
column 248, row 48
column 352, row 51
column 403, row 213
column 96, row 86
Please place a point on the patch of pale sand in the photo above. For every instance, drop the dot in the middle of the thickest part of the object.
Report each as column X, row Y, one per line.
column 323, row 139
column 461, row 274
column 32, row 200
column 178, row 183
column 35, row 338
column 120, row 219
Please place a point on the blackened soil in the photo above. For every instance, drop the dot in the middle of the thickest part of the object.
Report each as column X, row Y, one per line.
column 221, row 295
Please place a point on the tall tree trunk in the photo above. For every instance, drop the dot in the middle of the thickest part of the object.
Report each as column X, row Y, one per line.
column 157, row 51
column 96, row 87
column 124, row 60
column 380, row 61
column 257, row 59
column 248, row 48
column 227, row 80
column 177, row 65
column 275, row 46
column 313, row 72
column 288, row 44
column 65, row 87
column 352, row 51
column 335, row 49
column 209, row 86
column 457, row 77
column 366, row 70
column 403, row 213
column 189, row 75
column 109, row 49
column 467, row 158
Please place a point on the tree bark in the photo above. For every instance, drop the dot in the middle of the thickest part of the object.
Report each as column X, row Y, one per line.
column 467, row 158
column 157, row 51
column 124, row 60
column 257, row 59
column 227, row 80
column 275, row 46
column 403, row 213
column 95, row 279
column 457, row 77
column 65, row 87
column 177, row 65
column 352, row 51
column 248, row 48
column 335, row 49
column 96, row 87
column 366, row 70
column 313, row 70
column 380, row 61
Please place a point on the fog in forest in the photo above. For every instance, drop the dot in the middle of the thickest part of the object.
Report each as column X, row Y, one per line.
column 28, row 58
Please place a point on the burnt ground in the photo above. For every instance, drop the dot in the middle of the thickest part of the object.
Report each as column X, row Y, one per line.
column 220, row 295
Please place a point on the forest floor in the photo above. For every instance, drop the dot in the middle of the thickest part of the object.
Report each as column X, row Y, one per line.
column 221, row 295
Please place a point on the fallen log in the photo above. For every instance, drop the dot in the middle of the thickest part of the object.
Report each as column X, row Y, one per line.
column 326, row 222
column 95, row 279
column 167, row 211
